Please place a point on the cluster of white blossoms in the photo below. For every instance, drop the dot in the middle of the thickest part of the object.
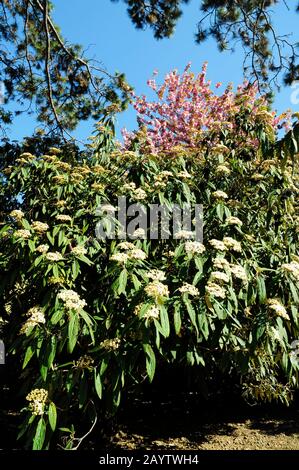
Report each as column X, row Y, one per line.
column 125, row 246
column 139, row 194
column 188, row 289
column 217, row 244
column 137, row 254
column 219, row 195
column 17, row 214
column 119, row 257
column 215, row 290
column 39, row 227
column 139, row 233
column 63, row 166
column 194, row 248
column 84, row 362
column 61, row 203
column 129, row 187
column 36, row 317
column 37, row 399
column 278, row 308
column 63, row 218
column 79, row 250
column 232, row 244
column 220, row 263
column 71, row 299
column 184, row 175
column 156, row 289
column 42, row 249
column 239, row 272
column 219, row 276
column 223, row 170
column 53, row 257
column 22, row 233
column 184, row 234
column 234, row 221
column 292, row 268
column 56, row 280
column 131, row 253
column 156, row 275
column 111, row 344
column 59, row 179
column 152, row 313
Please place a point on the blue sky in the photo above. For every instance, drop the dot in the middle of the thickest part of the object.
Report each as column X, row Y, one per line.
column 105, row 30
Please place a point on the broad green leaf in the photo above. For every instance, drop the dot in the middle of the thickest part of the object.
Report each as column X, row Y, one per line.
column 52, row 415
column 40, row 434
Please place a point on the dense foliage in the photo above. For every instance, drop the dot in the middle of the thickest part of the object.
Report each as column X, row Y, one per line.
column 87, row 319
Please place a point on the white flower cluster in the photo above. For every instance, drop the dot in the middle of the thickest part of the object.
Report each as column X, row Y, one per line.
column 22, row 233
column 111, row 344
column 17, row 214
column 71, row 299
column 137, row 254
column 219, row 195
column 292, row 268
column 139, row 233
column 156, row 275
column 217, row 244
column 278, row 308
column 63, row 218
column 119, row 257
column 188, row 289
column 239, row 272
column 131, row 253
column 125, row 246
column 39, row 227
column 139, row 194
column 152, row 313
column 184, row 234
column 223, row 170
column 194, row 248
column 79, row 250
column 36, row 317
column 184, row 175
column 42, row 248
column 215, row 290
column 156, row 289
column 37, row 399
column 219, row 276
column 220, row 263
column 234, row 221
column 232, row 244
column 84, row 362
column 54, row 256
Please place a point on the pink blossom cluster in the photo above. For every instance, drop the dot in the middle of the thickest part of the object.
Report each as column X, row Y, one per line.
column 187, row 110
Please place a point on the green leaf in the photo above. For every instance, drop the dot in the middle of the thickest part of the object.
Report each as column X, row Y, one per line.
column 28, row 355
column 165, row 327
column 150, row 361
column 98, row 384
column 261, row 288
column 177, row 319
column 73, row 331
column 122, row 281
column 75, row 269
column 40, row 433
column 56, row 316
column 52, row 415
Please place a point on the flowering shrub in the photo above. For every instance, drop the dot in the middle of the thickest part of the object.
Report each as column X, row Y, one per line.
column 88, row 318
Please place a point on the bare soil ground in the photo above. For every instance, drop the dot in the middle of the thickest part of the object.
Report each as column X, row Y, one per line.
column 212, row 427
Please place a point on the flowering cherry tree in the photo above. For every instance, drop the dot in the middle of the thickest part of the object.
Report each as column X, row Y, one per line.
column 187, row 111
